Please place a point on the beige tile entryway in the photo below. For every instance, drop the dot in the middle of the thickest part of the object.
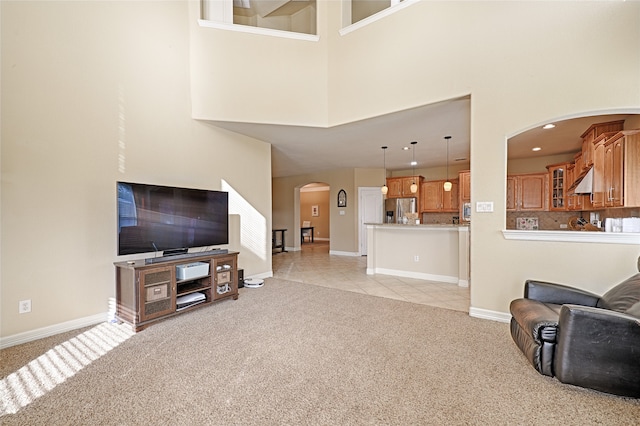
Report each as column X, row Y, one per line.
column 314, row 265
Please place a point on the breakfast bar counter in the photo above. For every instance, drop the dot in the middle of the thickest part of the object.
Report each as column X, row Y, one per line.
column 428, row 252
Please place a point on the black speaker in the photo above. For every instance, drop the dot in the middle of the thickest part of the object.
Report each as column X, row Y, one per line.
column 240, row 278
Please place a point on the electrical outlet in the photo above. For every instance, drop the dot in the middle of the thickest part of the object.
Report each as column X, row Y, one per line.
column 24, row 306
column 416, row 258
column 563, row 226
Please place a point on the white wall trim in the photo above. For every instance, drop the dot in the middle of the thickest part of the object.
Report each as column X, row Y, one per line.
column 52, row 330
column 416, row 275
column 489, row 315
column 343, row 253
column 377, row 16
column 262, row 276
column 256, row 30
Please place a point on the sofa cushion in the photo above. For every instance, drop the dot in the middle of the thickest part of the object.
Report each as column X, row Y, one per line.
column 623, row 296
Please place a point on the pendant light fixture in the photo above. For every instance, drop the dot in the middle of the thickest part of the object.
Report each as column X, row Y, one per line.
column 414, row 186
column 384, row 188
column 447, row 184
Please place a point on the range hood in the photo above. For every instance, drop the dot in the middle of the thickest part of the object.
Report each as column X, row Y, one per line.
column 583, row 184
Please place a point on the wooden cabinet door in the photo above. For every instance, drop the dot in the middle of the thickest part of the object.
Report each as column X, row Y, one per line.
column 465, row 186
column 431, row 196
column 587, row 148
column 599, row 185
column 557, row 190
column 225, row 281
column 608, row 175
column 406, row 186
column 511, row 193
column 527, row 192
column 450, row 198
column 395, row 187
column 617, row 175
column 157, row 295
column 532, row 192
column 631, row 170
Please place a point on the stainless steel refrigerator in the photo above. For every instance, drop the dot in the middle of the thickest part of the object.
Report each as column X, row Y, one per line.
column 397, row 208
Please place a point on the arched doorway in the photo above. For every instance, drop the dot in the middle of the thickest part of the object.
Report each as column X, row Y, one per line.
column 314, row 213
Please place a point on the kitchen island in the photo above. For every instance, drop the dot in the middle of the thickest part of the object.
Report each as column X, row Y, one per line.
column 428, row 252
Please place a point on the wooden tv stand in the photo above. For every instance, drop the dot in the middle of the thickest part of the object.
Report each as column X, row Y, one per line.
column 150, row 292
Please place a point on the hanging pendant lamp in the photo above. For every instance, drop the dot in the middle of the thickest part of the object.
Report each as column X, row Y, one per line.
column 414, row 186
column 384, row 188
column 447, row 184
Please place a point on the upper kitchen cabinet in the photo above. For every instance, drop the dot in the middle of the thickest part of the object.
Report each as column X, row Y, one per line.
column 527, row 192
column 464, row 178
column 590, row 135
column 400, row 187
column 557, row 190
column 433, row 197
column 598, row 187
column 622, row 170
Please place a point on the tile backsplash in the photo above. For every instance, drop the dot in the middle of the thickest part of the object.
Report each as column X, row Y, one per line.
column 552, row 221
column 548, row 221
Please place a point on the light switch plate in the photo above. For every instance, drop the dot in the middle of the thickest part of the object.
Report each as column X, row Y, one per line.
column 484, row 206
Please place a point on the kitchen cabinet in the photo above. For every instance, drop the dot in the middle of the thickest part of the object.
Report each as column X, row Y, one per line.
column 464, row 178
column 590, row 135
column 400, row 187
column 433, row 197
column 527, row 192
column 599, row 186
column 622, row 170
column 557, row 190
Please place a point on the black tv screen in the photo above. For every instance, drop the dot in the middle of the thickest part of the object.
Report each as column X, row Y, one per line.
column 153, row 218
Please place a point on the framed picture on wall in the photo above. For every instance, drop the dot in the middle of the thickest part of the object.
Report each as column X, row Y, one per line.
column 342, row 198
column 314, row 211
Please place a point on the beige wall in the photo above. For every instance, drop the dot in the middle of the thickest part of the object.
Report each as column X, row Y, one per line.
column 286, row 211
column 254, row 78
column 321, row 222
column 92, row 93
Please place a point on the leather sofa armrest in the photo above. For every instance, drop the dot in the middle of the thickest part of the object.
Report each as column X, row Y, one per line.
column 535, row 318
column 598, row 348
column 558, row 294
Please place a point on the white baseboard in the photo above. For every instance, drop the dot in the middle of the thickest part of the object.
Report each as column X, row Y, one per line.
column 344, row 253
column 411, row 274
column 262, row 275
column 52, row 330
column 490, row 315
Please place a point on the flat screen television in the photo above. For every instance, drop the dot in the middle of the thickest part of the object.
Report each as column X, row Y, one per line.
column 154, row 218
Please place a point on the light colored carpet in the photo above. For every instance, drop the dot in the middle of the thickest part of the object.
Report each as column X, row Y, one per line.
column 298, row 354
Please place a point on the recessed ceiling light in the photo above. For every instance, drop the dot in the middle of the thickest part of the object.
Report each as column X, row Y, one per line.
column 537, row 148
column 405, row 148
column 548, row 126
column 414, row 163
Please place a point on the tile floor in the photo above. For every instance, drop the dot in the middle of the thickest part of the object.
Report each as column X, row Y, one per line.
column 314, row 265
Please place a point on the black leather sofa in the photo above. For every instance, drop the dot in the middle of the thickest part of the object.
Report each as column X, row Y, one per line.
column 579, row 337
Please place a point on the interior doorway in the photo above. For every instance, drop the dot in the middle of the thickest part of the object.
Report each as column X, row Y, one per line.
column 314, row 213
